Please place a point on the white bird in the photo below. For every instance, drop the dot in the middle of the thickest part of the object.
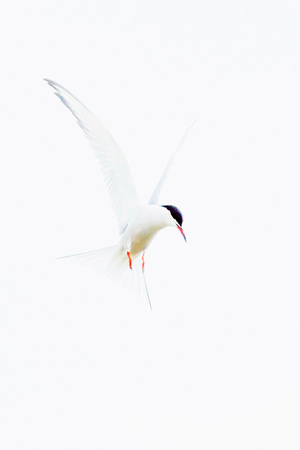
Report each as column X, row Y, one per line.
column 138, row 223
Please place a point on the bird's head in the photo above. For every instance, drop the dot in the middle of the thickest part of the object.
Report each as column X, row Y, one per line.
column 176, row 218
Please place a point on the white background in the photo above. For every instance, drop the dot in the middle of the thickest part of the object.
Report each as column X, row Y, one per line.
column 83, row 364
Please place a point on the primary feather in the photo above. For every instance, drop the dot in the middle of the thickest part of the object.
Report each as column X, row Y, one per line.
column 155, row 195
column 117, row 175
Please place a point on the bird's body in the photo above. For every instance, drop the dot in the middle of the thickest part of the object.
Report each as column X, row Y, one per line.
column 138, row 222
column 146, row 221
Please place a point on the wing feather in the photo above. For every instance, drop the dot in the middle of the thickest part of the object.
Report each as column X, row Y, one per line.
column 155, row 195
column 116, row 172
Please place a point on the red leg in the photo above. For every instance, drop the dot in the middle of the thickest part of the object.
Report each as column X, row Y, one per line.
column 130, row 260
column 143, row 262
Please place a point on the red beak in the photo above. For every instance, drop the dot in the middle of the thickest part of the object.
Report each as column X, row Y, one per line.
column 181, row 231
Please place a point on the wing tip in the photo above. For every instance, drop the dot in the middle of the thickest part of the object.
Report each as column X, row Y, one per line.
column 50, row 82
column 55, row 85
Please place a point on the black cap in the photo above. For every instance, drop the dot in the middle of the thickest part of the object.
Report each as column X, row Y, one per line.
column 175, row 213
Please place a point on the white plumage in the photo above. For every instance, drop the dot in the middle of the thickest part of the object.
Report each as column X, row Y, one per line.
column 138, row 223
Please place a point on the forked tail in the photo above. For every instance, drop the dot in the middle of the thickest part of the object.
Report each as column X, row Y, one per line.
column 112, row 262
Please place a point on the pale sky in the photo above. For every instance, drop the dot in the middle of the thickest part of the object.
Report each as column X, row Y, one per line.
column 83, row 363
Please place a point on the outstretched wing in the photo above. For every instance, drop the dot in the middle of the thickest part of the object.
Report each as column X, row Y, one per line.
column 119, row 181
column 154, row 197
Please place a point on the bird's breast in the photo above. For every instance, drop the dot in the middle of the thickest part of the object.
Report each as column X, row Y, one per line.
column 142, row 228
column 141, row 238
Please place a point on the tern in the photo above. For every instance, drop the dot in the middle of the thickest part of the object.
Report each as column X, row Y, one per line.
column 138, row 223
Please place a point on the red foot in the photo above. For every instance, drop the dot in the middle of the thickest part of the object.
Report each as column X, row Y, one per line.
column 130, row 260
column 143, row 262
